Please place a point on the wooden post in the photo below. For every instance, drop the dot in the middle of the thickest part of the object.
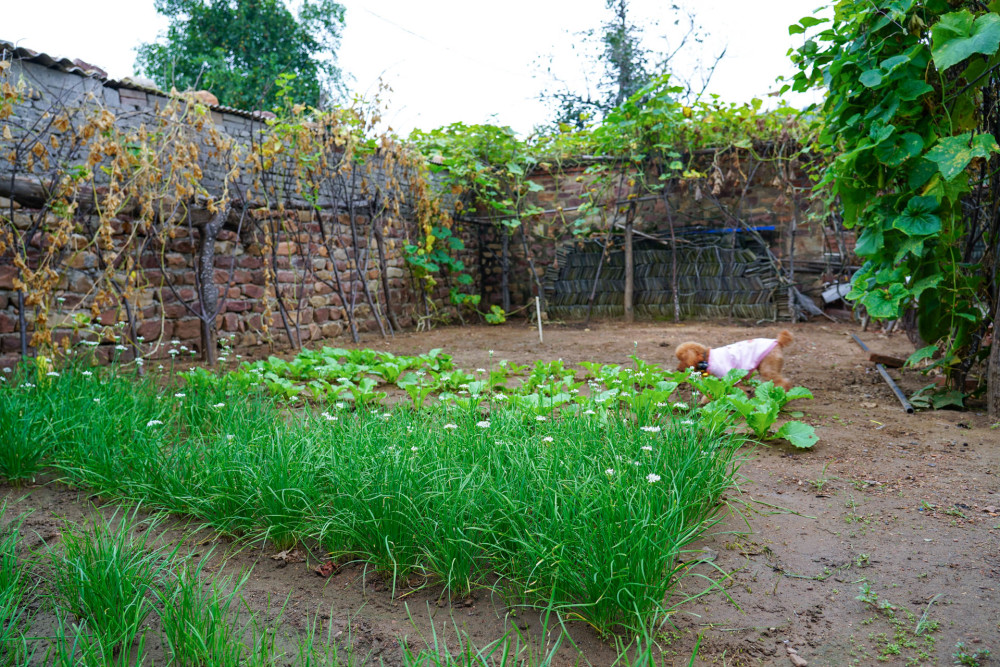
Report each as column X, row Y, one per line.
column 629, row 273
column 538, row 315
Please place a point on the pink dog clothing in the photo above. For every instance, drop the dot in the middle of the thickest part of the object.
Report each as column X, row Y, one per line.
column 746, row 354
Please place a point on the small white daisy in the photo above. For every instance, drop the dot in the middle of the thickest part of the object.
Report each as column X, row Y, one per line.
column 651, row 429
column 647, row 448
column 327, row 416
column 154, row 422
column 589, row 412
column 548, row 438
column 179, row 395
column 609, row 472
column 97, row 400
column 230, row 436
column 219, row 405
column 681, row 406
column 450, row 427
column 52, row 374
column 414, row 449
column 480, row 370
column 6, row 369
column 86, row 373
column 653, row 478
column 173, row 353
column 120, row 348
column 540, row 418
column 483, row 424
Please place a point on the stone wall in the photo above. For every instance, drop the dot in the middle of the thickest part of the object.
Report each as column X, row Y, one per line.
column 269, row 259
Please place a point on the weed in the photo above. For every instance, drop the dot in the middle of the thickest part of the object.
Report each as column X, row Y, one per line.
column 973, row 659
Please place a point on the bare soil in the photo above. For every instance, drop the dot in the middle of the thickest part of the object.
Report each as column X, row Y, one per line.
column 907, row 504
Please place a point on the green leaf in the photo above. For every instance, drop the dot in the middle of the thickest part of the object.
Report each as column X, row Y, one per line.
column 884, row 303
column 870, row 242
column 911, row 89
column 871, row 78
column 921, row 354
column 910, row 246
column 958, row 35
column 918, row 219
column 800, row 434
column 953, row 154
column 796, row 393
column 943, row 400
column 925, row 283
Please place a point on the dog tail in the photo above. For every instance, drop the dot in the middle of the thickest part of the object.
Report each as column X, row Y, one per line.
column 785, row 338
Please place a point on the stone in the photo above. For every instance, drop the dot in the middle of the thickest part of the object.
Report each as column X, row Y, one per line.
column 188, row 329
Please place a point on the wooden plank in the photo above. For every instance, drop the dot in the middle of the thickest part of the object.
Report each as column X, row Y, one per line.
column 886, row 360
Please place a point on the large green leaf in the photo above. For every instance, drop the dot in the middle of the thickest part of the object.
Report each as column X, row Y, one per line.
column 884, row 303
column 959, row 35
column 953, row 154
column 919, row 219
column 870, row 242
column 800, row 434
column 871, row 78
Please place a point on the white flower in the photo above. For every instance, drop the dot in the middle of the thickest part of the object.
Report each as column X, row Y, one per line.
column 52, row 374
column 6, row 369
column 647, row 448
column 120, row 348
column 547, row 438
column 179, row 395
column 540, row 418
column 651, row 429
column 387, row 416
column 140, row 338
column 139, row 362
column 480, row 370
column 159, row 367
column 653, row 478
column 184, row 348
column 681, row 406
column 86, row 373
column 219, row 405
column 609, row 472
column 483, row 424
column 450, row 427
column 173, row 353
column 97, row 400
column 589, row 412
column 339, row 406
column 28, row 385
column 90, row 342
column 687, row 422
column 414, row 449
column 230, row 436
column 175, row 342
column 154, row 422
column 2, row 379
column 327, row 416
column 501, row 397
column 635, row 463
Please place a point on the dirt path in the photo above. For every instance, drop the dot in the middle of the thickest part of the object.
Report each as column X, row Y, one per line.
column 908, row 505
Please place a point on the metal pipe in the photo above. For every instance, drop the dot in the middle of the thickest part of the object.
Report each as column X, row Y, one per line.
column 888, row 380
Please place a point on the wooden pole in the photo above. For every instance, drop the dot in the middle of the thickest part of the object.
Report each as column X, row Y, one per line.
column 629, row 273
column 538, row 315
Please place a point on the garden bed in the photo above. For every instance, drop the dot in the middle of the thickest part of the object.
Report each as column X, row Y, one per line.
column 901, row 503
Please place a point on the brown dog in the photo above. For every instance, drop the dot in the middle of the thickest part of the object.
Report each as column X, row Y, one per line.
column 759, row 354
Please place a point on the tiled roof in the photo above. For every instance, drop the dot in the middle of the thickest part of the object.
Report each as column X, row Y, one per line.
column 84, row 69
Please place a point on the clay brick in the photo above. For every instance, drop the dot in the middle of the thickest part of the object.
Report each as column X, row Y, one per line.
column 238, row 306
column 7, row 275
column 8, row 323
column 231, row 322
column 253, row 291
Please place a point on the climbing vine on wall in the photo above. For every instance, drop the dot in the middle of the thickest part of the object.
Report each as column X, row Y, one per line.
column 910, row 119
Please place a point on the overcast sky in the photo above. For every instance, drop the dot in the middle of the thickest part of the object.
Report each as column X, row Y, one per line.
column 453, row 60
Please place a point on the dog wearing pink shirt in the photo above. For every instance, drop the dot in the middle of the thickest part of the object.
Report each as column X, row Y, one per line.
column 759, row 354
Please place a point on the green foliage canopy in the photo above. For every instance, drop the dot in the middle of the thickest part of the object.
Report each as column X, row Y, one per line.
column 905, row 122
column 238, row 48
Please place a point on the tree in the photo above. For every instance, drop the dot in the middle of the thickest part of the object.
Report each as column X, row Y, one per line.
column 626, row 66
column 238, row 48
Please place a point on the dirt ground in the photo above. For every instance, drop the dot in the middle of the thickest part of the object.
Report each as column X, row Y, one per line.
column 908, row 505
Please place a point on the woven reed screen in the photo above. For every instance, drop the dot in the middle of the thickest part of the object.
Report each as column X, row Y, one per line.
column 719, row 276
